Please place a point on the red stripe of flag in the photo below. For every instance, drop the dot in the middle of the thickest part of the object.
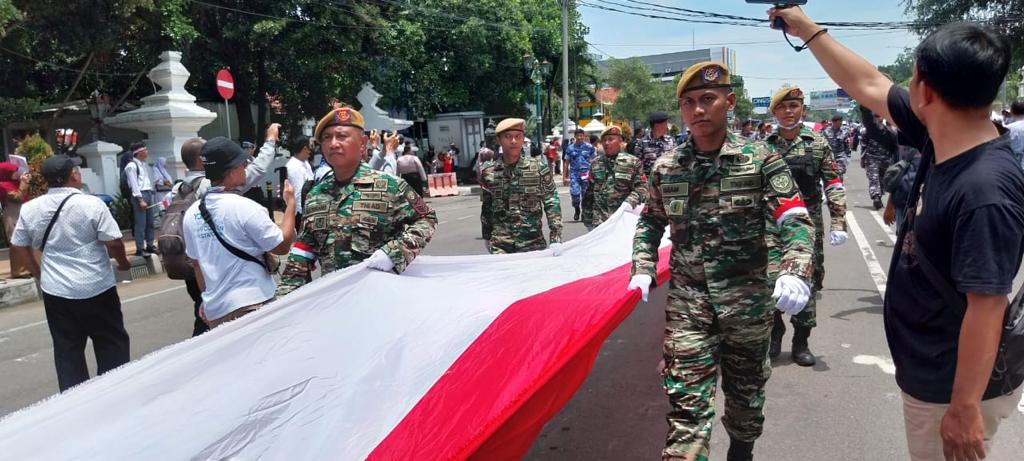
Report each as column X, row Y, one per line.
column 493, row 401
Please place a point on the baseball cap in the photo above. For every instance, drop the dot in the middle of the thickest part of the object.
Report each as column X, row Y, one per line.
column 220, row 155
column 57, row 168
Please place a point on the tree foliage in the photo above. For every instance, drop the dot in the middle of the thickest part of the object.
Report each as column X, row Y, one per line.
column 902, row 69
column 638, row 94
column 425, row 56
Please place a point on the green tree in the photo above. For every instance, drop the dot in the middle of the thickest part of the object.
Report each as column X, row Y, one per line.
column 744, row 106
column 902, row 69
column 638, row 93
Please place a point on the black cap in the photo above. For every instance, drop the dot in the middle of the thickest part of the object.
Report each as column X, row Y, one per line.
column 657, row 117
column 220, row 155
column 837, row 118
column 57, row 168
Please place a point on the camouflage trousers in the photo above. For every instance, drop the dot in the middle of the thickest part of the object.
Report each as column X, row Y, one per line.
column 875, row 169
column 503, row 243
column 577, row 187
column 842, row 161
column 705, row 335
column 809, row 316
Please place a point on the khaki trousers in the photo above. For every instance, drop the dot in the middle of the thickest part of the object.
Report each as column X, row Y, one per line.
column 922, row 421
column 236, row 314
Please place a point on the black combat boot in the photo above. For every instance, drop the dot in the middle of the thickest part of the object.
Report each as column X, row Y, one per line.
column 877, row 203
column 576, row 214
column 778, row 331
column 801, row 353
column 740, row 450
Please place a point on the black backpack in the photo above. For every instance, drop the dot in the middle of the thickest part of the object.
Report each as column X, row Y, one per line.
column 170, row 238
column 122, row 161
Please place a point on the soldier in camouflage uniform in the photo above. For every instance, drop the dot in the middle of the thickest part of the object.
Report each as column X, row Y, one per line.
column 837, row 137
column 715, row 192
column 616, row 179
column 357, row 213
column 813, row 168
column 880, row 148
column 522, row 191
column 656, row 143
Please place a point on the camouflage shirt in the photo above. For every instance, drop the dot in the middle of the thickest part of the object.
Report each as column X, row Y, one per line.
column 519, row 195
column 613, row 181
column 718, row 207
column 813, row 168
column 648, row 149
column 343, row 224
column 837, row 140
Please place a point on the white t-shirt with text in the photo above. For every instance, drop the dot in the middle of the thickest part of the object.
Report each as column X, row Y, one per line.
column 231, row 282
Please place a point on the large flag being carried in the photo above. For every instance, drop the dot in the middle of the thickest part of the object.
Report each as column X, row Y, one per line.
column 459, row 357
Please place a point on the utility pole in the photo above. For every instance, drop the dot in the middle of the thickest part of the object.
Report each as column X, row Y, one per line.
column 565, row 74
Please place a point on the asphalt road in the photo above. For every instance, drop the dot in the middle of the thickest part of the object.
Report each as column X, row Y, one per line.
column 845, row 408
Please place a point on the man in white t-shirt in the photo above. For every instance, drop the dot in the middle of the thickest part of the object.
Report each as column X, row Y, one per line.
column 232, row 285
column 299, row 171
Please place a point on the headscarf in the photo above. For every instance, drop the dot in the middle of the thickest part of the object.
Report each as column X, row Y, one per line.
column 8, row 185
column 161, row 170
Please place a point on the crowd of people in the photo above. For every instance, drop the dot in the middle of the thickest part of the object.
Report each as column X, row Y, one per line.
column 743, row 206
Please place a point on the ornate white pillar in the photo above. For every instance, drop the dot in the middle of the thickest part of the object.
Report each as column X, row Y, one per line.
column 169, row 117
column 102, row 160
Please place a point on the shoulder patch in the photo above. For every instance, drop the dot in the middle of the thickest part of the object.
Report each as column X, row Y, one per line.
column 781, row 183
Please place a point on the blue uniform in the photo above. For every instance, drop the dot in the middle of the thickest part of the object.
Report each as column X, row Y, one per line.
column 579, row 157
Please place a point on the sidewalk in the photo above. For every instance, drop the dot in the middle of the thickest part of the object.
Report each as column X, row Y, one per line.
column 19, row 291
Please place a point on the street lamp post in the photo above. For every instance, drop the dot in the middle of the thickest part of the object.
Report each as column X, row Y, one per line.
column 537, row 71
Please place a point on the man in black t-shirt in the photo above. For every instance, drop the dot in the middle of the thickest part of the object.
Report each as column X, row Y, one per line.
column 961, row 241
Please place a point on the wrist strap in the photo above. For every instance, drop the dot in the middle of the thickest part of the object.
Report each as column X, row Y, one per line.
column 807, row 43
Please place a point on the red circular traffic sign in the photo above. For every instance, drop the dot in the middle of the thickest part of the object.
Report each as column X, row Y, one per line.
column 225, row 84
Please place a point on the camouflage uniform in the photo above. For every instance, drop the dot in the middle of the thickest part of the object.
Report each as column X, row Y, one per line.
column 612, row 182
column 837, row 141
column 812, row 166
column 519, row 195
column 876, row 159
column 345, row 224
column 719, row 308
column 579, row 157
column 648, row 149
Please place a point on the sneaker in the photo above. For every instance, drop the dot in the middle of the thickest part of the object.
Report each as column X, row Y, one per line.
column 150, row 249
column 138, row 253
column 877, row 203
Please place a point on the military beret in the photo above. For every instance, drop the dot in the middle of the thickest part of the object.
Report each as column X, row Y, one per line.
column 702, row 76
column 786, row 94
column 345, row 116
column 611, row 130
column 657, row 117
column 511, row 124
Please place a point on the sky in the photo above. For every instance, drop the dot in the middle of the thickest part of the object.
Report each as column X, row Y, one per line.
column 764, row 66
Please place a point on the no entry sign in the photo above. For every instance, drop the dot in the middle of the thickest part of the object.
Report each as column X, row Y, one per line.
column 225, row 84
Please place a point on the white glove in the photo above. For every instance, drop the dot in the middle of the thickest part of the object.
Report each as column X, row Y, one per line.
column 381, row 261
column 791, row 294
column 638, row 209
column 641, row 282
column 838, row 237
column 556, row 249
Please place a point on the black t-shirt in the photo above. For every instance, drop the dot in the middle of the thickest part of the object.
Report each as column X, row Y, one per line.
column 969, row 221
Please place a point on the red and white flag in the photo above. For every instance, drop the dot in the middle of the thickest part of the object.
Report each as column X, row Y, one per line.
column 459, row 357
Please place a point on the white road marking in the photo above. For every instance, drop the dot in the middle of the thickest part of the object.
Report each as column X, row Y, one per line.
column 463, row 218
column 884, row 363
column 874, row 268
column 1020, row 406
column 881, row 223
column 31, row 358
column 442, row 222
column 123, row 302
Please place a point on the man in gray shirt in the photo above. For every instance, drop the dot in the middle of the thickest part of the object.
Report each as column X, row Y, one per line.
column 76, row 235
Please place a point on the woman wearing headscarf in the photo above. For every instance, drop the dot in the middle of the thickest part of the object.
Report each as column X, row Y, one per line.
column 13, row 192
column 163, row 182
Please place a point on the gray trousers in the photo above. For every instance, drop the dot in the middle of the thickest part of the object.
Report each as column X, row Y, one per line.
column 142, row 229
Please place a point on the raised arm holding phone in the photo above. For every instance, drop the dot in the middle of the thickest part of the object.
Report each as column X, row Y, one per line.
column 961, row 243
